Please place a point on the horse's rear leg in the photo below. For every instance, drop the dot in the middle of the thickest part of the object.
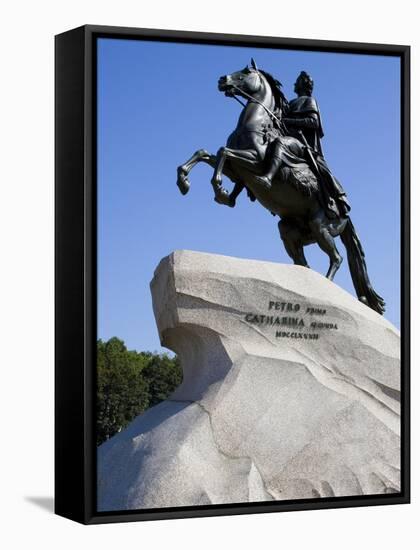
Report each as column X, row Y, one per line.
column 292, row 239
column 182, row 172
column 320, row 231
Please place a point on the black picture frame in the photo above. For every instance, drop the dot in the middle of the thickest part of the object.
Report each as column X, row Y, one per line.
column 75, row 272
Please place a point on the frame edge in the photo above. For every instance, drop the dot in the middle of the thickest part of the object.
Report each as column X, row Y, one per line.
column 70, row 367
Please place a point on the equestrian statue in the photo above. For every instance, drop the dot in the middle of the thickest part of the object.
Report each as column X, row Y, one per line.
column 275, row 154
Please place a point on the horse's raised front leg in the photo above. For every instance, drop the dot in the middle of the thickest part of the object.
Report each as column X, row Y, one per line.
column 182, row 172
column 237, row 190
column 220, row 194
column 216, row 180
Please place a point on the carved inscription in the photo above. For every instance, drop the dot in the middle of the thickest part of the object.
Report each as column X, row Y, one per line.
column 292, row 320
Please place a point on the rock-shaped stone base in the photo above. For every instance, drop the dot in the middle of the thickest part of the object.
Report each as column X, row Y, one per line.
column 291, row 390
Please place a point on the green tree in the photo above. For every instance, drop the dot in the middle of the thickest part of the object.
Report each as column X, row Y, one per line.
column 163, row 374
column 128, row 382
column 122, row 392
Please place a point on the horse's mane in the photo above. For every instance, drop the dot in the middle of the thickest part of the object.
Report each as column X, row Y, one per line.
column 279, row 97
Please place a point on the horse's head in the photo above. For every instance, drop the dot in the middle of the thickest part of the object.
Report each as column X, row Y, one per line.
column 249, row 82
column 246, row 82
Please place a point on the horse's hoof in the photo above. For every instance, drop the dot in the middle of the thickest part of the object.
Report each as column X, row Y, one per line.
column 221, row 200
column 222, row 197
column 183, row 183
column 183, row 186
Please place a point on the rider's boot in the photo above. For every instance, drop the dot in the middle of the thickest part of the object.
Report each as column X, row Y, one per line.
column 267, row 178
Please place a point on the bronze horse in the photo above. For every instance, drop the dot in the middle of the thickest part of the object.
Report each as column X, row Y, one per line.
column 295, row 194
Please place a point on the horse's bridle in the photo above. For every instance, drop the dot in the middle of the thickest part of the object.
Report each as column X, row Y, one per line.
column 270, row 113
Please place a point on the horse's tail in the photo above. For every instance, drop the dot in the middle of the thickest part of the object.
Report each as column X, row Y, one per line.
column 358, row 269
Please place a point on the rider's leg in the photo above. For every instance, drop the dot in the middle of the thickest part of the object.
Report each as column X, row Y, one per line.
column 319, row 227
column 274, row 158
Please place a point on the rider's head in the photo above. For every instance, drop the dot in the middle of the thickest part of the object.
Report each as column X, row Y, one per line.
column 304, row 84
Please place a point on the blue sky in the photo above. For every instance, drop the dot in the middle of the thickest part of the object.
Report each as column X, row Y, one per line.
column 158, row 103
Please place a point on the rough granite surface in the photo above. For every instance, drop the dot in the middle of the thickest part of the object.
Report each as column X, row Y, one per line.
column 262, row 413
